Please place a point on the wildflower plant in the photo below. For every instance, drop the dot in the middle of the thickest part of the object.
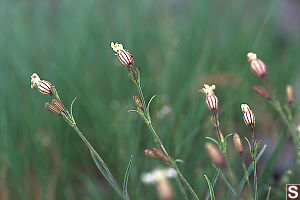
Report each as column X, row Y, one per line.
column 57, row 107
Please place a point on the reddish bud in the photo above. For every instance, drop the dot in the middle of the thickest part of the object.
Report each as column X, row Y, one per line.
column 59, row 106
column 52, row 109
column 215, row 155
column 44, row 87
column 211, row 102
column 125, row 57
column 261, row 92
column 248, row 115
column 157, row 154
column 237, row 143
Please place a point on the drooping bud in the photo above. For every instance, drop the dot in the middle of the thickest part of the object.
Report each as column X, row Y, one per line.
column 261, row 92
column 289, row 94
column 211, row 99
column 138, row 103
column 124, row 56
column 248, row 115
column 44, row 87
column 52, row 109
column 257, row 66
column 215, row 155
column 237, row 143
column 157, row 154
column 59, row 106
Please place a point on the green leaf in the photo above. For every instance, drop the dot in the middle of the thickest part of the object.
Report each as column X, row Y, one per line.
column 216, row 176
column 268, row 194
column 125, row 193
column 250, row 149
column 179, row 161
column 210, row 187
column 148, row 107
column 71, row 109
column 227, row 136
column 250, row 169
column 234, row 195
column 105, row 171
column 212, row 139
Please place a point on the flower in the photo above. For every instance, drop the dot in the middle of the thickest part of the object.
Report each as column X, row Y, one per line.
column 237, row 143
column 211, row 99
column 248, row 115
column 124, row 56
column 44, row 87
column 158, row 175
column 257, row 66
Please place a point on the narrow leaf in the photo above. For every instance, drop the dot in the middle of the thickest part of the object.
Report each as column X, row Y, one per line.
column 210, row 187
column 250, row 169
column 213, row 183
column 125, row 193
column 227, row 183
column 212, row 139
column 148, row 107
column 268, row 193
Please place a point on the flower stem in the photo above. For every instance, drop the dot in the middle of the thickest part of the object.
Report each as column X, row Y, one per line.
column 253, row 155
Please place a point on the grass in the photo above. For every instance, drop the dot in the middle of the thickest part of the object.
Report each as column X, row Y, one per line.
column 178, row 47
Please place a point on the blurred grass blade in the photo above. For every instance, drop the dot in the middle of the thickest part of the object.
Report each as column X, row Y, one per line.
column 268, row 194
column 105, row 171
column 125, row 193
column 210, row 187
column 213, row 183
column 234, row 195
column 250, row 169
column 182, row 190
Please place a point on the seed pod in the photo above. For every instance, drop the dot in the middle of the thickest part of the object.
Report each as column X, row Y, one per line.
column 215, row 155
column 237, row 143
column 52, row 109
column 248, row 115
column 261, row 92
column 44, row 87
column 289, row 94
column 212, row 102
column 257, row 66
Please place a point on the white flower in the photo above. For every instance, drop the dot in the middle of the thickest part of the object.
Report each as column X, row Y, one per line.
column 35, row 79
column 251, row 56
column 116, row 47
column 158, row 175
column 245, row 107
column 208, row 89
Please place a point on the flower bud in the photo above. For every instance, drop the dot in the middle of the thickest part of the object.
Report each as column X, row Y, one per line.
column 261, row 92
column 138, row 103
column 289, row 94
column 44, row 87
column 212, row 102
column 248, row 115
column 257, row 66
column 157, row 154
column 52, row 109
column 237, row 143
column 215, row 155
column 59, row 106
column 124, row 56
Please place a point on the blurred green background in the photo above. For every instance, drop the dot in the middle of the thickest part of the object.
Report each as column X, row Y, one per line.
column 178, row 45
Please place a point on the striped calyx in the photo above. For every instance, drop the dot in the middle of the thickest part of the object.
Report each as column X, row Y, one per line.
column 157, row 154
column 211, row 99
column 248, row 115
column 257, row 66
column 52, row 109
column 44, row 87
column 59, row 106
column 138, row 103
column 212, row 102
column 261, row 92
column 124, row 56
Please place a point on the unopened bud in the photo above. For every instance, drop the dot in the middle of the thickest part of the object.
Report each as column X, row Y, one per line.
column 164, row 190
column 44, row 87
column 215, row 155
column 248, row 115
column 257, row 66
column 138, row 103
column 261, row 92
column 157, row 154
column 212, row 102
column 52, row 109
column 289, row 94
column 59, row 105
column 237, row 143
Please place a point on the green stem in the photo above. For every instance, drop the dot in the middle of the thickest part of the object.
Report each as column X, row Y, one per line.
column 253, row 155
column 255, row 180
